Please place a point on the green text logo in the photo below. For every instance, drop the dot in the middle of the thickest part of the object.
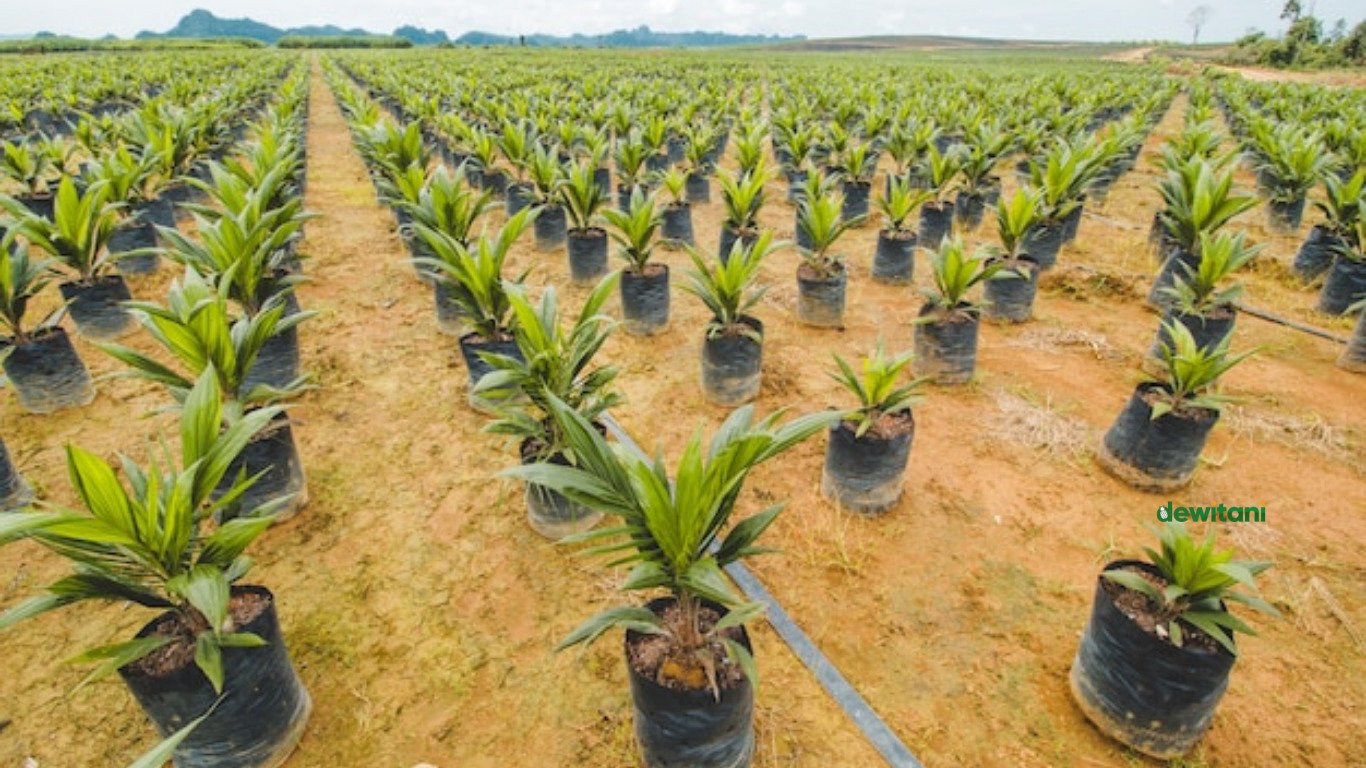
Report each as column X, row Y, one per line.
column 1220, row 513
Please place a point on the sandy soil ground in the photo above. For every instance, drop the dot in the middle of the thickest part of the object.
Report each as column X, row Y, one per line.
column 421, row 608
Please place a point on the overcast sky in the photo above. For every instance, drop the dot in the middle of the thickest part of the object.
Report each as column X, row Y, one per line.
column 1029, row 19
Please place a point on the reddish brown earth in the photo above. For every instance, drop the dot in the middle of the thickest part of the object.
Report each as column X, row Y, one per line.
column 421, row 609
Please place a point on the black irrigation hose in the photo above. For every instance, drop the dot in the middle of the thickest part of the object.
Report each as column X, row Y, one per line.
column 1260, row 314
column 883, row 739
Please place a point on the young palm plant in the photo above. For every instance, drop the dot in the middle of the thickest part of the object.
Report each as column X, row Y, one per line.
column 1016, row 216
column 644, row 283
column 732, row 351
column 473, row 277
column 1296, row 160
column 584, row 199
column 555, row 362
column 866, row 457
column 1343, row 204
column 77, row 236
column 1345, row 285
column 447, row 204
column 1175, row 606
column 859, row 168
column 1200, row 200
column 29, row 165
column 894, row 259
column 821, row 279
column 947, row 326
column 677, row 534
column 1156, row 442
column 1202, row 299
column 142, row 541
column 936, row 215
column 743, row 198
column 677, row 211
column 548, row 179
column 40, row 363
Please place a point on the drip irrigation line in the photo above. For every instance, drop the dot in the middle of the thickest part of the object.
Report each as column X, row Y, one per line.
column 874, row 729
column 1260, row 314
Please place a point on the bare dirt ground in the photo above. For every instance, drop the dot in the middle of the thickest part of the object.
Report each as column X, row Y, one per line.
column 421, row 609
column 1131, row 56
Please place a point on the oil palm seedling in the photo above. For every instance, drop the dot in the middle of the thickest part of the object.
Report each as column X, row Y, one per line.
column 947, row 325
column 1295, row 160
column 1342, row 206
column 473, row 274
column 447, row 204
column 732, row 349
column 1203, row 300
column 797, row 145
column 987, row 142
column 248, row 252
column 1345, row 284
column 1016, row 216
column 1155, row 656
column 1062, row 179
column 742, row 197
column 399, row 188
column 556, row 363
column 76, row 237
column 40, row 362
column 146, row 541
column 547, row 177
column 132, row 182
column 822, row 278
column 678, row 535
column 698, row 161
column 29, row 165
column 654, row 133
column 584, row 200
column 936, row 214
column 592, row 148
column 868, row 449
column 486, row 167
column 894, row 259
column 644, row 283
column 749, row 149
column 630, row 158
column 858, row 169
column 1156, row 442
column 198, row 329
column 677, row 211
column 1199, row 200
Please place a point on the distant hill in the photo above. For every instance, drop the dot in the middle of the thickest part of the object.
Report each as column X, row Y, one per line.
column 201, row 23
column 420, row 36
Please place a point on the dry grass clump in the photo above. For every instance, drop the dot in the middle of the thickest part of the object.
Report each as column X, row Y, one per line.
column 1311, row 433
column 1040, row 426
column 1053, row 339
